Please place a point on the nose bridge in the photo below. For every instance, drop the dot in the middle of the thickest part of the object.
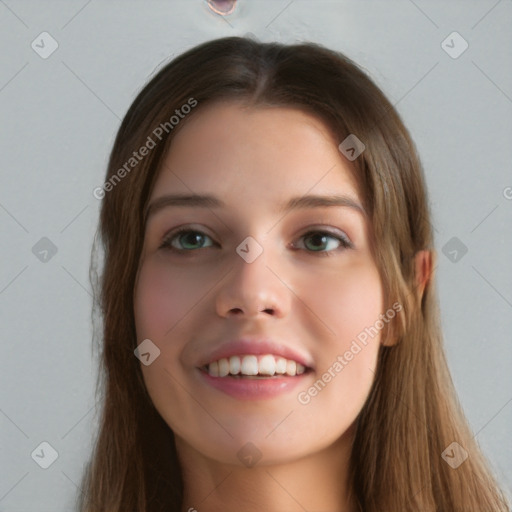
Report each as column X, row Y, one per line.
column 252, row 267
column 256, row 226
column 250, row 249
column 251, row 285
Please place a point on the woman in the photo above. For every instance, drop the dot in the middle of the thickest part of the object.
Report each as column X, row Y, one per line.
column 242, row 369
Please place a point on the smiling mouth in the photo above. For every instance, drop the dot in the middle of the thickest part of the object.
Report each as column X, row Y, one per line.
column 255, row 367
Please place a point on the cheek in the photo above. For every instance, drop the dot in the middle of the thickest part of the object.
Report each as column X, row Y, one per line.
column 348, row 306
column 348, row 301
column 161, row 303
column 161, row 300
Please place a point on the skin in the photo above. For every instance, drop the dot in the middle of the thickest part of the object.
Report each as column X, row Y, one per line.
column 255, row 159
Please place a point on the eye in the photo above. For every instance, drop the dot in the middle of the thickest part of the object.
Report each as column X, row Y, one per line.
column 186, row 238
column 321, row 238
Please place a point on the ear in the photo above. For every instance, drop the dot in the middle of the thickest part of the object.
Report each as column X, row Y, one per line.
column 423, row 263
column 423, row 269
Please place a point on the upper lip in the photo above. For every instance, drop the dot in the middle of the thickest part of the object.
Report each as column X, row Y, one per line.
column 256, row 346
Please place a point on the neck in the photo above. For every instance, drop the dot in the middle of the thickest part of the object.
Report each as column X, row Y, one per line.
column 319, row 482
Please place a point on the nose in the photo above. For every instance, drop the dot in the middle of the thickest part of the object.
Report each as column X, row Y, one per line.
column 253, row 288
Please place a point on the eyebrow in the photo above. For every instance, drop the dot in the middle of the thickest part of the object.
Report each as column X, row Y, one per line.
column 295, row 203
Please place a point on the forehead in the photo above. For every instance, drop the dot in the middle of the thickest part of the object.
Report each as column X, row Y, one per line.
column 254, row 153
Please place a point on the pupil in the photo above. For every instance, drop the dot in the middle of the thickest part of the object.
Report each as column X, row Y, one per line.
column 193, row 238
column 316, row 237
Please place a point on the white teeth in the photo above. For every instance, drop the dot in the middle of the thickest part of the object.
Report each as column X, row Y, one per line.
column 234, row 365
column 223, row 367
column 280, row 365
column 291, row 367
column 213, row 369
column 267, row 365
column 251, row 365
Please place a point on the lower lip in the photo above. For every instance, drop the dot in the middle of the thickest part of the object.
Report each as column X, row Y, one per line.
column 253, row 389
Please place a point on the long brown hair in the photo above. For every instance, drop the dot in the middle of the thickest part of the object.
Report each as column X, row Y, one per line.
column 411, row 415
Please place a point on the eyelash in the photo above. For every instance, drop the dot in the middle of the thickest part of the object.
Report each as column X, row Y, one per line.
column 345, row 242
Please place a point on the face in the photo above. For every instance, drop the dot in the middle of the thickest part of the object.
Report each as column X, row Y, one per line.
column 297, row 286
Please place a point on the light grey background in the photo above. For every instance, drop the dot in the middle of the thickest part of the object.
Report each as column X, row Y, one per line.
column 59, row 117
